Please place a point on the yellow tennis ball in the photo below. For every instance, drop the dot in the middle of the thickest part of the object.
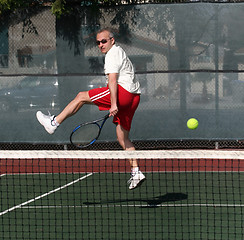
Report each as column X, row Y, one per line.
column 192, row 123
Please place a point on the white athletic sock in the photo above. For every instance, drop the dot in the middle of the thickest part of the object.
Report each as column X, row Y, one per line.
column 134, row 170
column 55, row 122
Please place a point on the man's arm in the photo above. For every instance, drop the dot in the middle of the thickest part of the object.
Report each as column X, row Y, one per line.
column 113, row 87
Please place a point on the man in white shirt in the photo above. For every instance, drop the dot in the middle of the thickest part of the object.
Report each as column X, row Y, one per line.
column 121, row 97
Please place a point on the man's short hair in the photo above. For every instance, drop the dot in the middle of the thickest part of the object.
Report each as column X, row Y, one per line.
column 107, row 30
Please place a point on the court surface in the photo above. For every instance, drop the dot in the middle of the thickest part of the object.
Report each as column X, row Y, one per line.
column 70, row 195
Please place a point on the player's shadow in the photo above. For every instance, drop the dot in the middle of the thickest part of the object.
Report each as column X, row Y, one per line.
column 151, row 202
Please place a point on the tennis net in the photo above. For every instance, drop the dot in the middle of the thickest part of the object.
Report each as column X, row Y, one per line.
column 197, row 194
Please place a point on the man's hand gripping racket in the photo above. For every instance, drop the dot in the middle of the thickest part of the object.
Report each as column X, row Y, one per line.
column 86, row 134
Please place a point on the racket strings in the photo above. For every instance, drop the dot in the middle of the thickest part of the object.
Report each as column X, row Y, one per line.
column 85, row 134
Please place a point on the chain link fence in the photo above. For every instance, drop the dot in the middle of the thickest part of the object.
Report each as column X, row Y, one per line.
column 189, row 59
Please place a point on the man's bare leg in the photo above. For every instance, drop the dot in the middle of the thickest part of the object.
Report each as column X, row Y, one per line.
column 50, row 123
column 74, row 106
column 125, row 143
column 137, row 176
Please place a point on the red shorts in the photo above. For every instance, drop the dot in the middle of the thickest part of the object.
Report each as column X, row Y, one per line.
column 127, row 104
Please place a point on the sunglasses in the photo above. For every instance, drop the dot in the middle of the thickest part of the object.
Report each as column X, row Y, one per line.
column 103, row 41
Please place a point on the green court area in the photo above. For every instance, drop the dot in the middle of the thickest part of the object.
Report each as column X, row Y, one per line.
column 169, row 205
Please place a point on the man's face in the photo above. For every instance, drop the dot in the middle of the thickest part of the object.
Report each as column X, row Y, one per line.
column 104, row 42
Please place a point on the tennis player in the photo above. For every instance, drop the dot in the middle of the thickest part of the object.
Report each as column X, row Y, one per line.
column 121, row 97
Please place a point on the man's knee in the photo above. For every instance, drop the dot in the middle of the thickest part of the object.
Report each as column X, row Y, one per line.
column 82, row 97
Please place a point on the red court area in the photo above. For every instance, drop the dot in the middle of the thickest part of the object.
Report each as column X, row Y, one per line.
column 66, row 165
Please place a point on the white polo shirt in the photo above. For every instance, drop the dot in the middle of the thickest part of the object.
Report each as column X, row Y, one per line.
column 116, row 61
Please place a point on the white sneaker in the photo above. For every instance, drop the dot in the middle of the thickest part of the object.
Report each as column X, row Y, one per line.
column 136, row 180
column 47, row 121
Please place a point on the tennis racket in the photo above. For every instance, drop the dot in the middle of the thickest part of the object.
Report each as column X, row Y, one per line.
column 86, row 134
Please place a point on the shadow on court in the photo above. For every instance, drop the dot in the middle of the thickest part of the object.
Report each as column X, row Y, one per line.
column 152, row 202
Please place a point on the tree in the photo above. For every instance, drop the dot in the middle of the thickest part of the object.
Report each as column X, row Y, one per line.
column 60, row 7
column 186, row 28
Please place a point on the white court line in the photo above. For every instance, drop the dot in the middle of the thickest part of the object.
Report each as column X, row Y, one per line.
column 2, row 175
column 44, row 195
column 142, row 205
